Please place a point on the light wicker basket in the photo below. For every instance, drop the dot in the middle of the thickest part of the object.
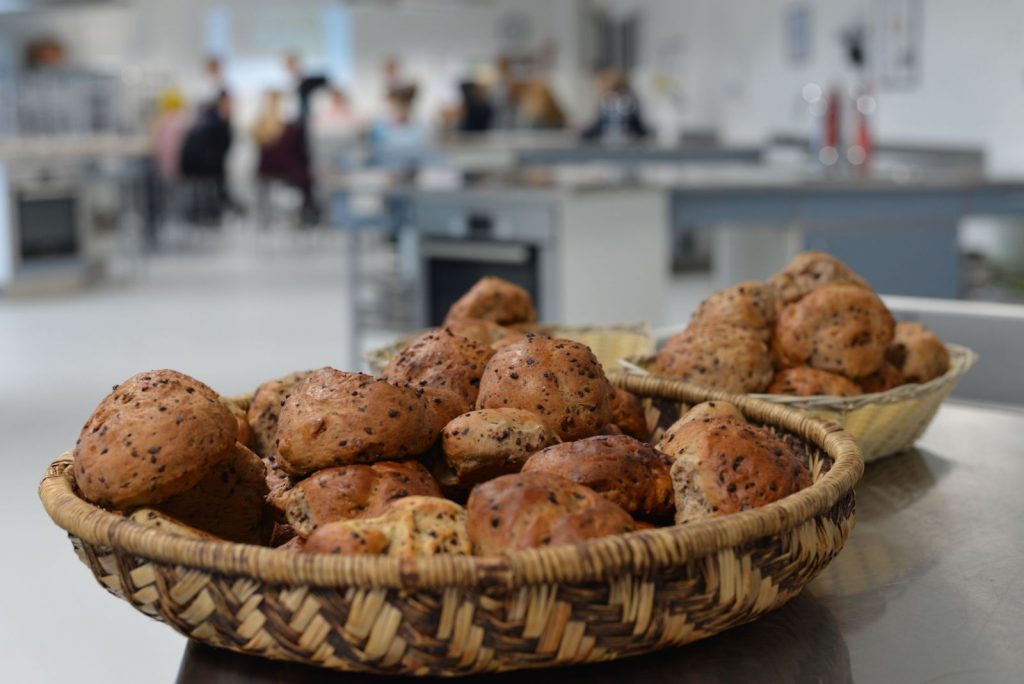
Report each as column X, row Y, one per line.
column 449, row 615
column 883, row 423
column 608, row 342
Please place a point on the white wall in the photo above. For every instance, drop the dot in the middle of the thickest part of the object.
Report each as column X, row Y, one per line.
column 718, row 63
column 436, row 39
column 736, row 75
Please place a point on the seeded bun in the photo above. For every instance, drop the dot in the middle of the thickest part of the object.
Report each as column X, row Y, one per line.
column 917, row 352
column 528, row 510
column 843, row 329
column 487, row 443
column 495, row 300
column 559, row 380
column 155, row 435
column 354, row 491
column 623, row 470
column 336, row 418
column 804, row 381
column 718, row 356
column 410, row 527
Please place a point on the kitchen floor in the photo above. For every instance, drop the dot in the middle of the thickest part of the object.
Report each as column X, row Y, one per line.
column 231, row 310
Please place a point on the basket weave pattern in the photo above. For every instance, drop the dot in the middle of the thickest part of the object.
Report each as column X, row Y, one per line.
column 883, row 423
column 600, row 600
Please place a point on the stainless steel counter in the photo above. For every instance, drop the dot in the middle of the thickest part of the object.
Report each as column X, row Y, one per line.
column 930, row 586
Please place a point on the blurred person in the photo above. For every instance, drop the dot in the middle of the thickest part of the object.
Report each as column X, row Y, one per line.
column 268, row 129
column 333, row 113
column 204, row 153
column 306, row 85
column 213, row 83
column 504, row 92
column 619, row 118
column 167, row 133
column 476, row 113
column 167, row 130
column 282, row 153
column 397, row 139
column 394, row 82
column 538, row 109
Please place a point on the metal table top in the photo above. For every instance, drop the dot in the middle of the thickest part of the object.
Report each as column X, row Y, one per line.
column 930, row 586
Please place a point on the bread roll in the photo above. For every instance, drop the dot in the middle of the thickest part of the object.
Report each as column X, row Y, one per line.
column 496, row 300
column 228, row 502
column 726, row 467
column 354, row 491
column 336, row 418
column 527, row 510
column 628, row 414
column 749, row 305
column 884, row 379
column 719, row 356
column 442, row 362
column 559, row 380
column 843, row 329
column 803, row 381
column 265, row 409
column 809, row 271
column 623, row 470
column 244, row 435
column 483, row 444
column 155, row 435
column 410, row 527
column 917, row 352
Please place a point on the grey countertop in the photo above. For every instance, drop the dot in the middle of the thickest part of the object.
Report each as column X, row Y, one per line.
column 717, row 178
column 930, row 586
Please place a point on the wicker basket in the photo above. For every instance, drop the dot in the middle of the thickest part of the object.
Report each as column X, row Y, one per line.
column 447, row 615
column 883, row 423
column 608, row 342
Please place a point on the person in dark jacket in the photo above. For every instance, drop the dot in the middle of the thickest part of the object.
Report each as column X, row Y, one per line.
column 619, row 118
column 306, row 85
column 205, row 150
column 477, row 112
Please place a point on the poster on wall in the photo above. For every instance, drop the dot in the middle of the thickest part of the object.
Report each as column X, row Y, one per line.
column 898, row 31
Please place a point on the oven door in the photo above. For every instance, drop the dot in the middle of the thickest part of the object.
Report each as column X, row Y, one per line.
column 452, row 266
column 47, row 225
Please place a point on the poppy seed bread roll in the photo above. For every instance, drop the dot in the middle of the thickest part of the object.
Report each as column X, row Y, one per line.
column 807, row 272
column 721, row 466
column 410, row 527
column 495, row 300
column 628, row 414
column 527, row 510
column 718, row 356
column 917, row 352
column 884, row 379
column 265, row 410
column 749, row 305
column 155, row 435
column 625, row 471
column 804, row 381
column 842, row 329
column 559, row 380
column 446, row 366
column 483, row 444
column 229, row 501
column 336, row 418
column 354, row 491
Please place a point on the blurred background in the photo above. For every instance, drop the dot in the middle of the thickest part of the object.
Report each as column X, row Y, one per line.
column 240, row 188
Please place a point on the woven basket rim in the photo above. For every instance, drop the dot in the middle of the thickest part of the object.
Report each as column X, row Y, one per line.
column 960, row 361
column 381, row 355
column 594, row 560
